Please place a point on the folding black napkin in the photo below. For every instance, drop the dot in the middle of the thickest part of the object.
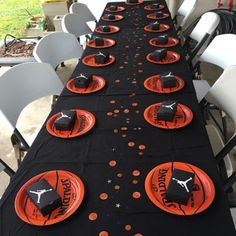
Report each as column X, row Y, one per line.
column 154, row 5
column 65, row 120
column 102, row 58
column 168, row 80
column 44, row 197
column 154, row 25
column 158, row 13
column 132, row 1
column 113, row 8
column 99, row 41
column 82, row 81
column 110, row 16
column 180, row 186
column 105, row 28
column 162, row 39
column 158, row 54
column 167, row 110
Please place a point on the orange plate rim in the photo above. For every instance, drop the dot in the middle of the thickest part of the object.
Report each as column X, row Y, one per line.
column 174, row 40
column 165, row 27
column 78, row 111
column 178, row 165
column 177, row 58
column 70, row 86
column 59, row 219
column 169, row 90
column 119, row 10
column 156, row 9
column 183, row 107
column 114, row 29
column 84, row 60
column 111, row 42
column 118, row 18
column 165, row 15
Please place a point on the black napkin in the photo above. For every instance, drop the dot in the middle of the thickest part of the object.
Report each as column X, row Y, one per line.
column 168, row 80
column 162, row 39
column 158, row 54
column 44, row 197
column 110, row 16
column 167, row 110
column 105, row 28
column 98, row 41
column 82, row 81
column 102, row 58
column 154, row 25
column 158, row 13
column 180, row 186
column 113, row 8
column 65, row 120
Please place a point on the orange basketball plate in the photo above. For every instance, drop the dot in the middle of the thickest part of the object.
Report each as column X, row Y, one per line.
column 117, row 18
column 107, row 43
column 201, row 197
column 171, row 43
column 68, row 185
column 113, row 29
column 90, row 61
column 149, row 8
column 119, row 9
column 163, row 28
column 170, row 58
column 154, row 17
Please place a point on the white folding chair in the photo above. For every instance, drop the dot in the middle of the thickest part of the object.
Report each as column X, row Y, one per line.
column 21, row 85
column 56, row 48
column 84, row 12
column 202, row 33
column 221, row 52
column 74, row 24
column 222, row 94
column 184, row 12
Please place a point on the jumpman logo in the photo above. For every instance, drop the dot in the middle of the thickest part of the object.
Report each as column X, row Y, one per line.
column 183, row 184
column 40, row 193
column 81, row 75
column 169, row 75
column 100, row 53
column 170, row 106
column 63, row 116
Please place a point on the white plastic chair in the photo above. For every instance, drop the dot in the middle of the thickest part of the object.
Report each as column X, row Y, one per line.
column 221, row 52
column 74, row 24
column 82, row 10
column 21, row 85
column 185, row 10
column 56, row 48
column 203, row 32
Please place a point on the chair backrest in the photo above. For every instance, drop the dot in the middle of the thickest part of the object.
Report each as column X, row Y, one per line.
column 74, row 24
column 206, row 25
column 185, row 10
column 221, row 51
column 57, row 47
column 223, row 94
column 25, row 83
column 82, row 10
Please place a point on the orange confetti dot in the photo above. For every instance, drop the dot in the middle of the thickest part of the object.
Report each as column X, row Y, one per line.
column 115, row 115
column 103, row 233
column 134, row 82
column 126, row 111
column 138, row 234
column 136, row 173
column 116, row 131
column 117, row 81
column 103, row 196
column 126, row 62
column 119, row 175
column 93, row 216
column 134, row 104
column 124, row 135
column 117, row 187
column 137, row 111
column 112, row 163
column 116, row 111
column 109, row 113
column 128, row 227
column 136, row 195
column 140, row 153
column 135, row 181
column 121, row 67
column 140, row 71
column 131, row 144
column 112, row 101
column 142, row 147
column 124, row 128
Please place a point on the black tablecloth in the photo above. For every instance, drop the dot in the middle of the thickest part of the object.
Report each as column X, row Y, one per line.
column 88, row 156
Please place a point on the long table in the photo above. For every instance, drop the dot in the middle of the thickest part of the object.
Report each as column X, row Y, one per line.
column 114, row 158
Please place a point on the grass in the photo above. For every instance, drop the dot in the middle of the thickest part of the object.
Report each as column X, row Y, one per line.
column 13, row 16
